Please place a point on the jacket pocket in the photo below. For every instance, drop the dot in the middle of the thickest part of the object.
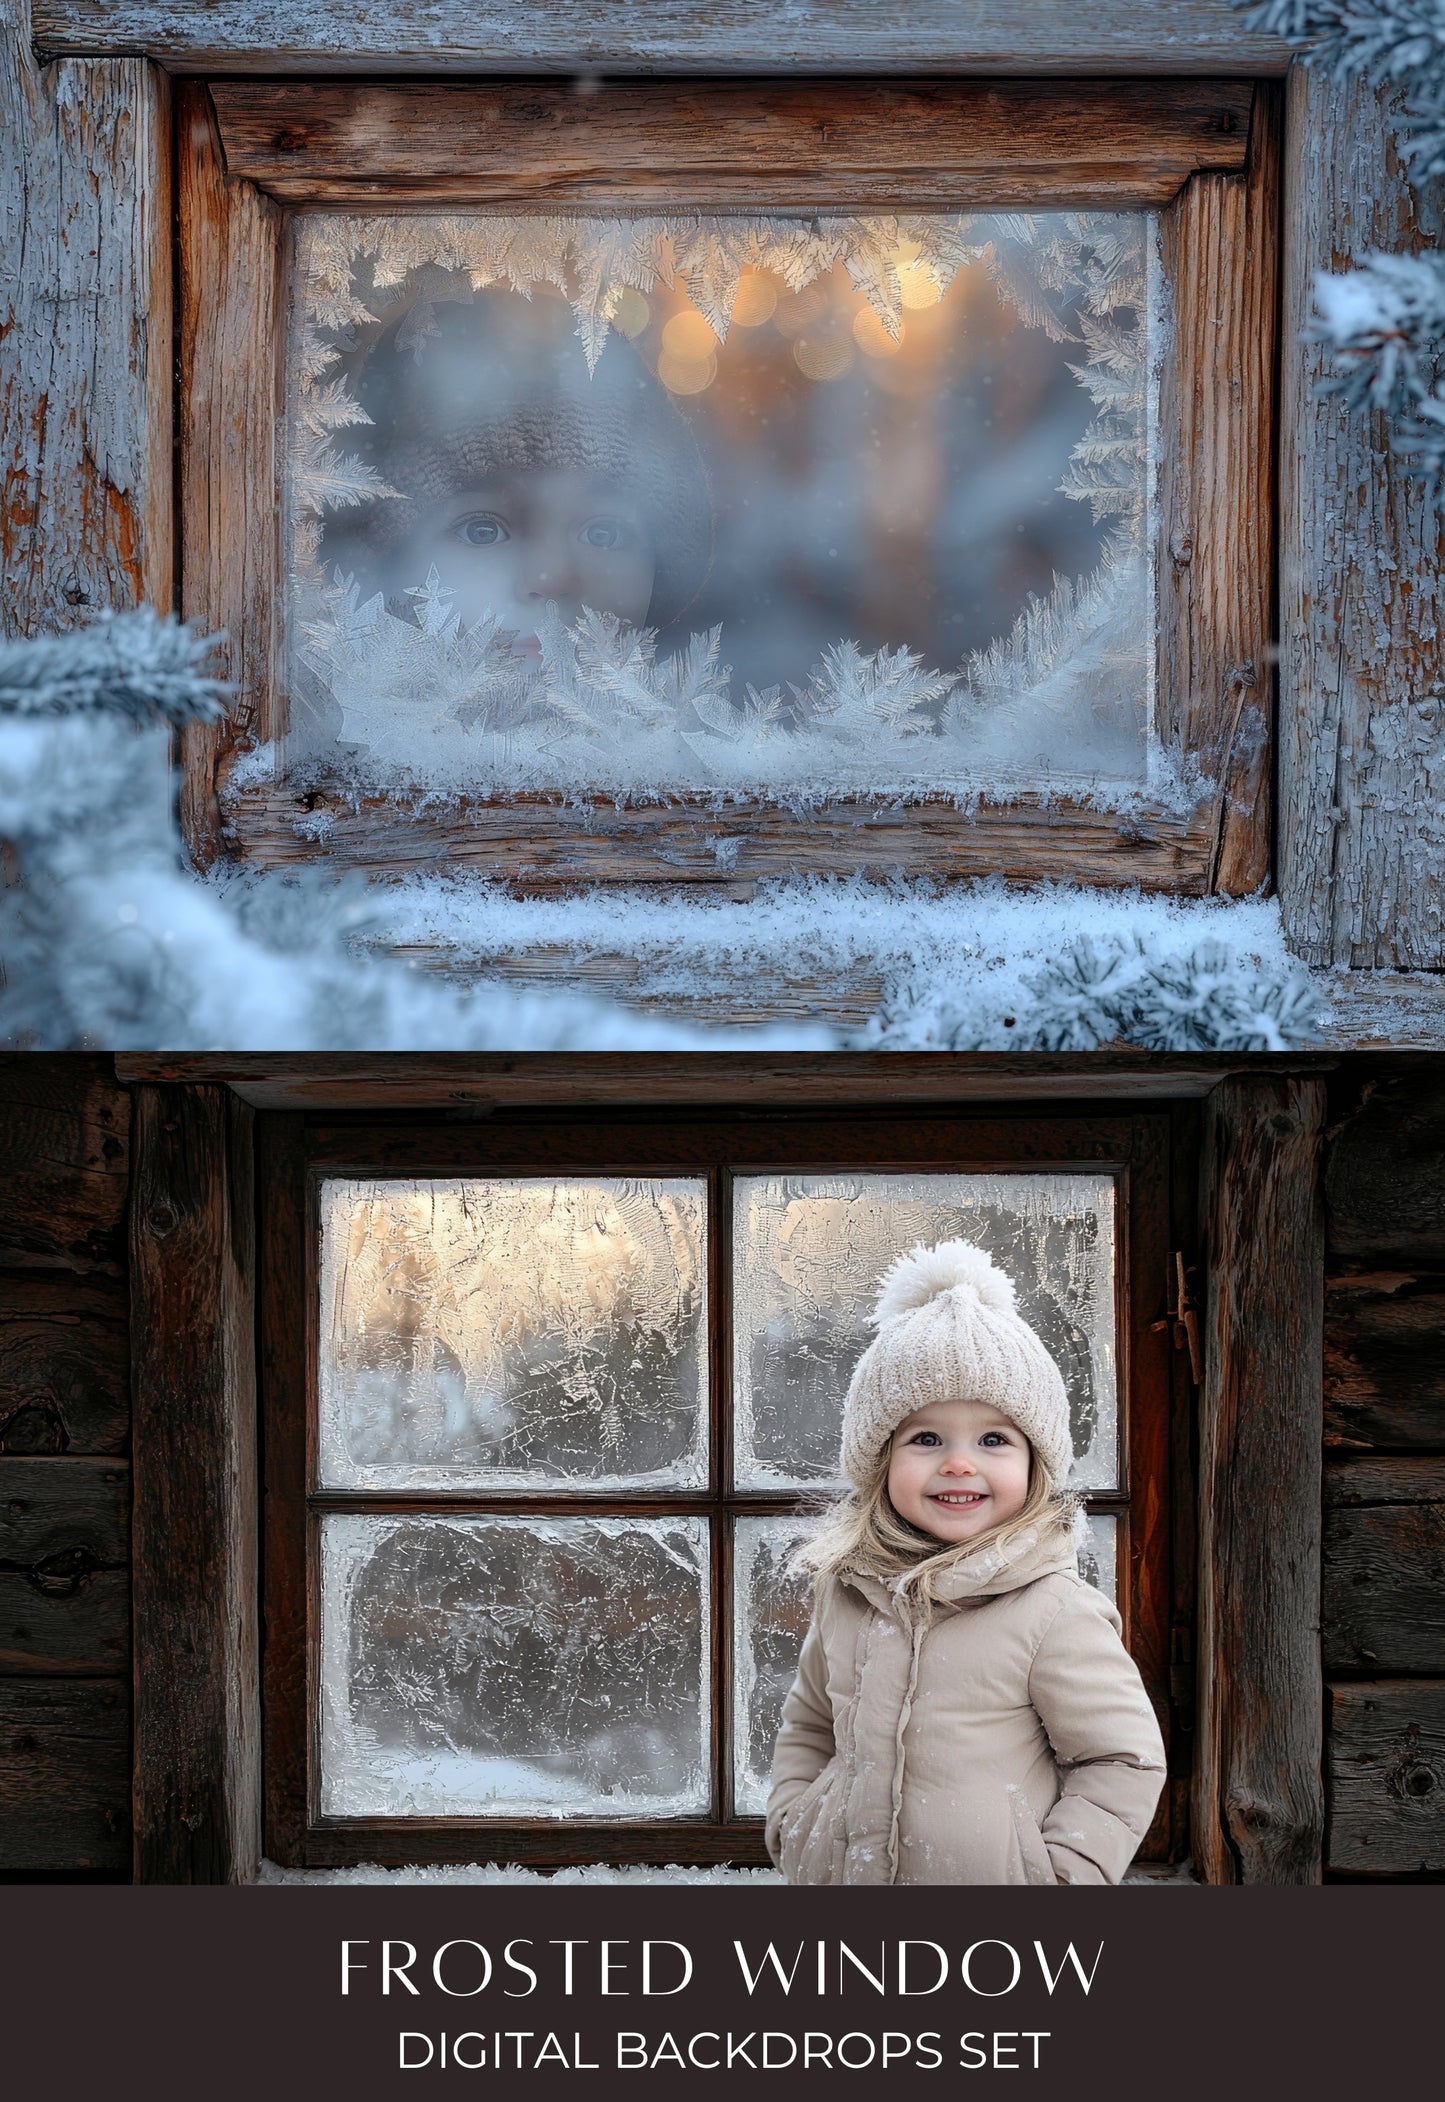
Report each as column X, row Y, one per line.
column 799, row 1823
column 1033, row 1854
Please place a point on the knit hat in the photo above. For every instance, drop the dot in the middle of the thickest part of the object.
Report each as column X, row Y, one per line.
column 497, row 384
column 948, row 1331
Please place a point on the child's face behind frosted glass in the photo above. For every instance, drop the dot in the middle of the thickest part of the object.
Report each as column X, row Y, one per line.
column 507, row 545
column 957, row 1468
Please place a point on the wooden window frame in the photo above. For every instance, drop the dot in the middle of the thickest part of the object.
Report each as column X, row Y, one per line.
column 1154, row 1414
column 1204, row 154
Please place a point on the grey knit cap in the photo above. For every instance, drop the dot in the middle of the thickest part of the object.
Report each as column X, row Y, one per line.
column 501, row 386
column 948, row 1331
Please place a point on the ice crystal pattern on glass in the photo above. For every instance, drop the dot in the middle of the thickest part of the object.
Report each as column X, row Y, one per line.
column 406, row 681
column 771, row 1610
column 513, row 1333
column 808, row 1252
column 513, row 1667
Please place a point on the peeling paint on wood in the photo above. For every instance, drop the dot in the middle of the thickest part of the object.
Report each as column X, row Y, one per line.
column 85, row 337
column 667, row 36
column 1362, row 670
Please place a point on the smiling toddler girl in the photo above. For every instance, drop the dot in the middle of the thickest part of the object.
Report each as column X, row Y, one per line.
column 964, row 1709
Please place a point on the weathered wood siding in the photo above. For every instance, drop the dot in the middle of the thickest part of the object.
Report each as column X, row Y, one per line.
column 667, row 36
column 65, row 1741
column 1383, row 1589
column 85, row 335
column 1362, row 650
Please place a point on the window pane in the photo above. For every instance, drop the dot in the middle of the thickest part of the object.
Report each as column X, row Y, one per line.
column 723, row 503
column 1099, row 1558
column 808, row 1252
column 771, row 1611
column 508, row 1334
column 514, row 1667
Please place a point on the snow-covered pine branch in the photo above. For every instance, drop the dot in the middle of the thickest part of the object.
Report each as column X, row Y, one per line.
column 1384, row 321
column 106, row 939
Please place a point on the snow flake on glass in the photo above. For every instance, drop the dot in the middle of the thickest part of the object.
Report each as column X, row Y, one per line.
column 808, row 1251
column 514, row 1667
column 724, row 505
column 771, row 1611
column 520, row 1333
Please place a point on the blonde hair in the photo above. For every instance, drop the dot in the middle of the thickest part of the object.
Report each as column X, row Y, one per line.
column 863, row 1532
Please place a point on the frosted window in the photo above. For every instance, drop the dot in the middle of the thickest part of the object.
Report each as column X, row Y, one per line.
column 723, row 503
column 771, row 1611
column 808, row 1252
column 514, row 1667
column 513, row 1334
column 1098, row 1557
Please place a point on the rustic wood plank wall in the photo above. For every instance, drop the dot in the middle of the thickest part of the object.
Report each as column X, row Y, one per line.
column 1383, row 1606
column 65, row 1741
column 85, row 335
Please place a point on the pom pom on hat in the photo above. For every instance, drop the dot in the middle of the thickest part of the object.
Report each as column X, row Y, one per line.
column 926, row 1273
column 949, row 1330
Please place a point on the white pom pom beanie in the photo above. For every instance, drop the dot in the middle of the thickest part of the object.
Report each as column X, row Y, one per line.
column 948, row 1331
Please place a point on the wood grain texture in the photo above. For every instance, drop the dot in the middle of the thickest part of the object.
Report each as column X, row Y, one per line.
column 85, row 328
column 64, row 1774
column 1385, row 1181
column 1258, row 1811
column 540, row 845
column 230, row 423
column 1362, row 647
column 1386, row 1777
column 1217, row 495
column 64, row 1163
column 64, row 1363
column 1384, row 1577
column 467, row 1080
column 666, row 36
column 668, row 147
column 64, row 1585
column 197, row 1798
column 1385, row 1362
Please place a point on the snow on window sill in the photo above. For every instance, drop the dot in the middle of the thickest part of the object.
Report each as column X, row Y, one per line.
column 473, row 1872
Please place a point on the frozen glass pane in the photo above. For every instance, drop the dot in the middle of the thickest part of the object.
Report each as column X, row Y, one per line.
column 723, row 503
column 504, row 1334
column 771, row 1611
column 514, row 1667
column 808, row 1251
column 1098, row 1557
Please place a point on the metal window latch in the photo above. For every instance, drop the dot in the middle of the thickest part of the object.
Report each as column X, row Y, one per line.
column 1182, row 1318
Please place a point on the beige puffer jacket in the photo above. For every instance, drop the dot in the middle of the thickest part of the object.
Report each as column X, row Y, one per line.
column 1005, row 1737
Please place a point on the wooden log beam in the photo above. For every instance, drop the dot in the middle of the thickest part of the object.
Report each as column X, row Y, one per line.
column 197, row 1778
column 1384, row 1566
column 85, row 336
column 1258, row 1809
column 665, row 36
column 457, row 1081
column 637, row 147
column 1362, row 644
column 1387, row 1778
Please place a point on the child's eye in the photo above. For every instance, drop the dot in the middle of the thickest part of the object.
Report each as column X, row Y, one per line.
column 603, row 532
column 485, row 529
column 925, row 1438
column 993, row 1438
